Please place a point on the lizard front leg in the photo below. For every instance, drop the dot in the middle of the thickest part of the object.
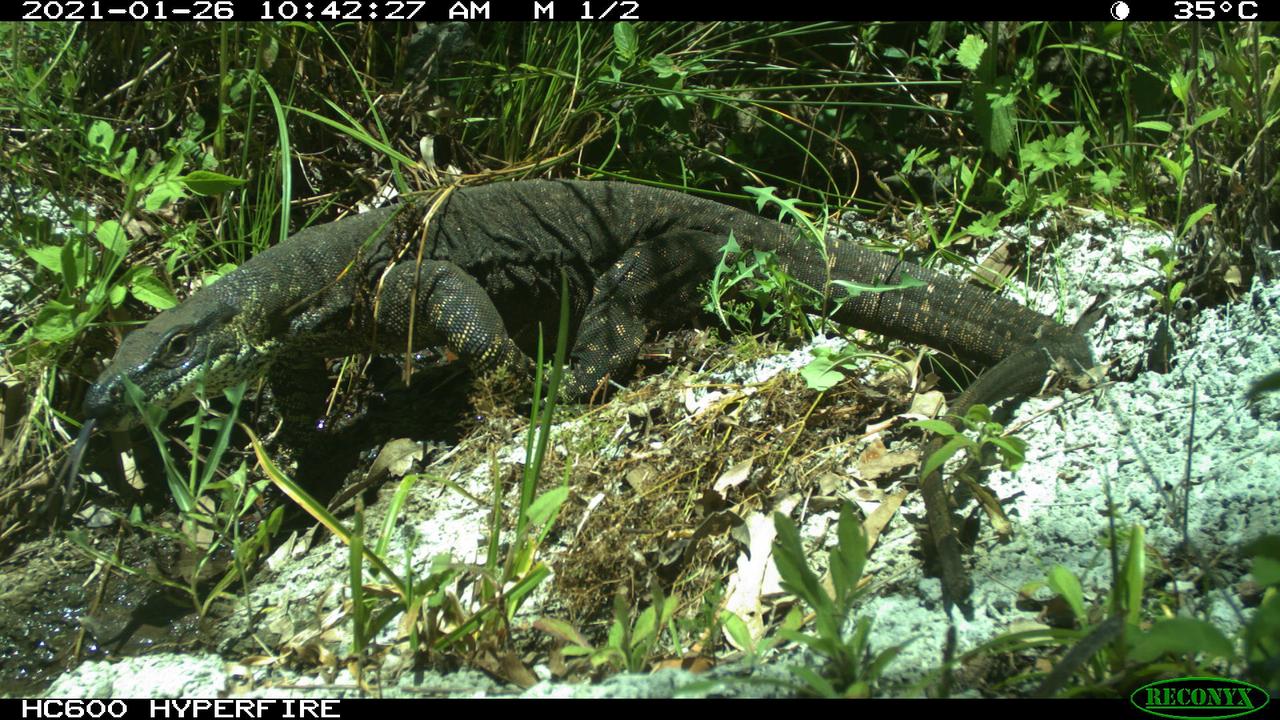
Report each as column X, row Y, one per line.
column 451, row 309
column 298, row 383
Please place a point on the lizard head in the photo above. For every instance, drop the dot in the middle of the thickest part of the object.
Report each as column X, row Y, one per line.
column 201, row 343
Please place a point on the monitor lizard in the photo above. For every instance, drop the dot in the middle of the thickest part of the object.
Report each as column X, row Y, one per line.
column 485, row 268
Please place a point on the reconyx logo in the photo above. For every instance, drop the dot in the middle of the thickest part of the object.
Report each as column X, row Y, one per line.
column 1199, row 698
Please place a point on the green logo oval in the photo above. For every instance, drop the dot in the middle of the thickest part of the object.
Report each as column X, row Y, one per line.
column 1198, row 698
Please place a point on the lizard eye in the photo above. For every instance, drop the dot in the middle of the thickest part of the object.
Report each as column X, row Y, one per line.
column 177, row 348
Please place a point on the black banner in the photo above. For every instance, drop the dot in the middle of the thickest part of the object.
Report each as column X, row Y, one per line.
column 632, row 10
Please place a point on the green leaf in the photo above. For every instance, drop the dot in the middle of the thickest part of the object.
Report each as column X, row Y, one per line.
column 1265, row 570
column 127, row 164
column 883, row 659
column 48, row 257
column 1135, row 572
column 1035, row 154
column 1158, row 125
column 1175, row 170
column 822, row 373
column 978, row 413
column 848, row 558
column 938, row 427
column 546, row 505
column 1013, row 451
column 112, row 237
column 617, row 631
column 145, row 286
column 663, row 66
column 671, row 102
column 1047, row 93
column 69, row 259
column 55, row 324
column 916, row 156
column 1196, row 217
column 564, row 631
column 164, row 193
column 854, row 289
column 1000, row 138
column 625, row 42
column 817, row 684
column 985, row 226
column 971, row 51
column 217, row 274
column 813, row 642
column 645, row 626
column 1066, row 585
column 1106, row 182
column 1074, row 145
column 797, row 578
column 1180, row 83
column 1209, row 117
column 204, row 182
column 1158, row 252
column 101, row 137
column 737, row 630
column 944, row 453
column 1181, row 636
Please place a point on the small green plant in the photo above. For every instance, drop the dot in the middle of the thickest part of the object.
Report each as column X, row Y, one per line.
column 1113, row 651
column 631, row 642
column 852, row 669
column 977, row 419
column 421, row 601
column 506, row 579
column 759, row 277
column 702, row 625
column 89, row 281
column 209, row 507
column 1168, row 268
column 761, row 282
column 1110, row 649
column 1262, row 633
column 89, row 260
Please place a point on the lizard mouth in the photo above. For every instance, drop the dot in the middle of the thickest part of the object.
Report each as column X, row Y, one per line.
column 105, row 406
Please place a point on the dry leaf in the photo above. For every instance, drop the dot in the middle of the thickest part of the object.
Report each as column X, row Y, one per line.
column 754, row 578
column 734, row 476
column 396, row 458
column 641, row 477
column 879, row 518
column 927, row 405
column 829, row 483
column 876, row 461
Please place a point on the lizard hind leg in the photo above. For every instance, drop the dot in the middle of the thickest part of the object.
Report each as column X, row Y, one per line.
column 654, row 283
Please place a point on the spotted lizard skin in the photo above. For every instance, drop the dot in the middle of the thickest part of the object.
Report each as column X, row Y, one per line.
column 491, row 259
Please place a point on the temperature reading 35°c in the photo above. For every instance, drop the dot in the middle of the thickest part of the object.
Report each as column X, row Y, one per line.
column 1215, row 9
